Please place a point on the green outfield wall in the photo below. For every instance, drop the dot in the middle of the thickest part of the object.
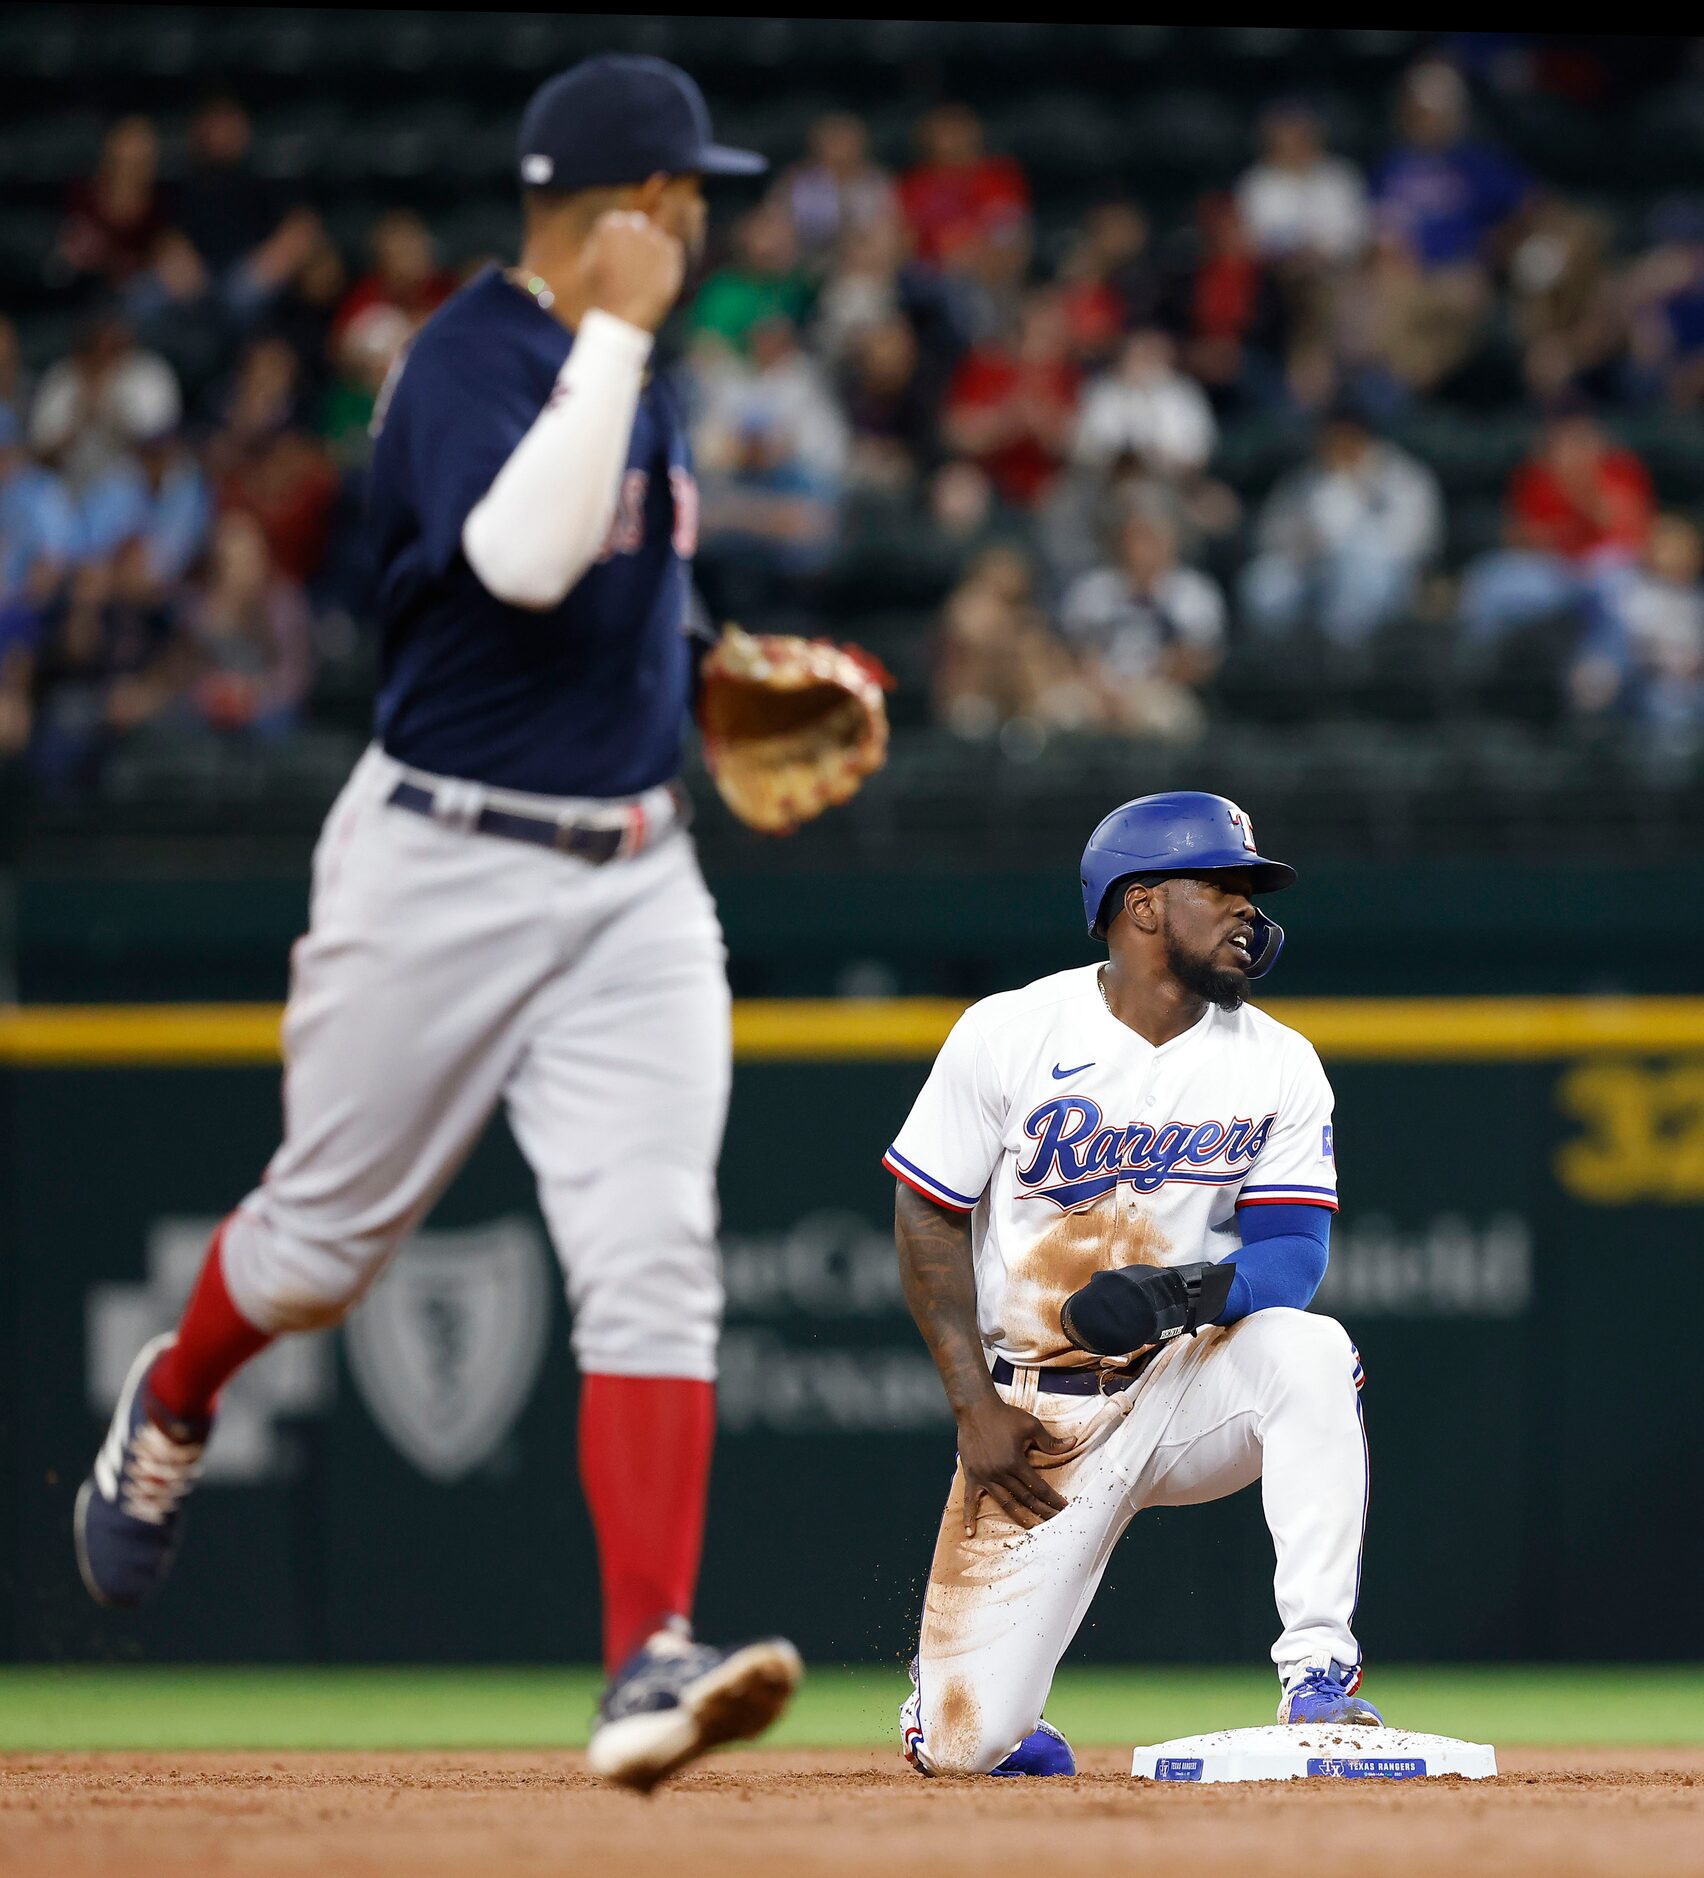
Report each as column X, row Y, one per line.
column 1517, row 1258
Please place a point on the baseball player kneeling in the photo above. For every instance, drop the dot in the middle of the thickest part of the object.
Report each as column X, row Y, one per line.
column 1114, row 1205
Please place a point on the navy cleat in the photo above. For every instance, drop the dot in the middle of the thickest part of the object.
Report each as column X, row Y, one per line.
column 674, row 1700
column 129, row 1518
column 1325, row 1692
column 1044, row 1751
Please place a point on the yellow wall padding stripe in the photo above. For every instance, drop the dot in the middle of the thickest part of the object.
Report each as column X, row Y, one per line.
column 1401, row 1030
column 1470, row 1030
column 795, row 1029
column 95, row 1035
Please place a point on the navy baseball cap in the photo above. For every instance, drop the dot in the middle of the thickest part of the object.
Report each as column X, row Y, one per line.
column 619, row 118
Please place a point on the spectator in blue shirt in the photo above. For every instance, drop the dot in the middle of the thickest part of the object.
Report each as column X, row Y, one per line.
column 1343, row 539
column 236, row 239
column 159, row 497
column 1446, row 210
column 1665, row 293
column 772, row 446
column 38, row 538
column 109, row 662
column 1447, row 194
column 38, row 525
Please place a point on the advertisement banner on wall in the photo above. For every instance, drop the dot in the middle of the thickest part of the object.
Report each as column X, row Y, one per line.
column 403, row 1487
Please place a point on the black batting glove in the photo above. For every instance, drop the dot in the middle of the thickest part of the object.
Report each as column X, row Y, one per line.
column 1117, row 1312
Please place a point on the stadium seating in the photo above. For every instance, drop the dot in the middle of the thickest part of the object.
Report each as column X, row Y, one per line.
column 361, row 109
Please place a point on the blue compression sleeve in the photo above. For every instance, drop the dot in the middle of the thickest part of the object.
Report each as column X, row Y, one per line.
column 1283, row 1257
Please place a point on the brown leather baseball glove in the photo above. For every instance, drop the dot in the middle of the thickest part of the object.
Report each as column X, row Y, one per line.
column 791, row 726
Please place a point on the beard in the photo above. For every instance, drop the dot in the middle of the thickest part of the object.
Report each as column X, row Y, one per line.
column 1225, row 986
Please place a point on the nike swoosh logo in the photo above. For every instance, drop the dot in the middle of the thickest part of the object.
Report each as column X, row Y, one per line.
column 1059, row 1074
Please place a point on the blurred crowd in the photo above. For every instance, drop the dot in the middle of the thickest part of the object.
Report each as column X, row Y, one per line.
column 1050, row 400
column 177, row 555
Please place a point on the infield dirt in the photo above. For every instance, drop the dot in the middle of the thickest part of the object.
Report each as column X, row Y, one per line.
column 1559, row 1813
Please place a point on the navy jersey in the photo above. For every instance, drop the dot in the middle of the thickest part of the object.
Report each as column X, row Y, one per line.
column 587, row 699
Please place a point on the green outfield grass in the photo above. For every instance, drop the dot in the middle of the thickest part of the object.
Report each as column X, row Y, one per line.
column 60, row 1709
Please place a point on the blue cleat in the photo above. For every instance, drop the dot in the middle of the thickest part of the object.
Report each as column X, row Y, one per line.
column 674, row 1700
column 1325, row 1692
column 129, row 1518
column 1042, row 1752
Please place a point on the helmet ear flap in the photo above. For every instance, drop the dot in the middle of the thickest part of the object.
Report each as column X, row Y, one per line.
column 1268, row 943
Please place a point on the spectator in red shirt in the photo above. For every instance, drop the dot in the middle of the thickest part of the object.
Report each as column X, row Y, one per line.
column 374, row 322
column 1580, row 508
column 1012, row 408
column 265, row 464
column 1580, row 494
column 958, row 196
column 1112, row 283
column 115, row 218
column 1234, row 314
column 405, row 274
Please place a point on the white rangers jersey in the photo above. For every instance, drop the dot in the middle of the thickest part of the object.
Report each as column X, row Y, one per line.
column 1077, row 1146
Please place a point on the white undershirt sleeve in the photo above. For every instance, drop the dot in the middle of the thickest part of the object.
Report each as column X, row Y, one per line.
column 545, row 517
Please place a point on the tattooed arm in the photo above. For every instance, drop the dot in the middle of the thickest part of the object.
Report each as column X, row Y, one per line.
column 938, row 1273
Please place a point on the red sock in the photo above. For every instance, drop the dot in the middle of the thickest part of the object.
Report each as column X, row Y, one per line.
column 645, row 1466
column 214, row 1340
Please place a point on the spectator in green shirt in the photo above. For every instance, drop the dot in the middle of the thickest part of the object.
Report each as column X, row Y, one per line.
column 762, row 281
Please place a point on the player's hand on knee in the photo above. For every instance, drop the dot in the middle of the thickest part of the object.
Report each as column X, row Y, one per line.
column 632, row 268
column 1117, row 1313
column 995, row 1443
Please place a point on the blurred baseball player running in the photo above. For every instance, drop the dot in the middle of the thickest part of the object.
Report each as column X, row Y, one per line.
column 506, row 906
column 1114, row 1200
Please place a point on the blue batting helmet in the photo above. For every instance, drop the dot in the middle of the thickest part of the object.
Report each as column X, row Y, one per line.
column 1184, row 832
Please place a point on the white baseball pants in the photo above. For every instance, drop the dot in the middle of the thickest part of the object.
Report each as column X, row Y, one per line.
column 1273, row 1398
column 445, row 971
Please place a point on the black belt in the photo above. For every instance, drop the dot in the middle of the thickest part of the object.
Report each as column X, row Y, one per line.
column 1079, row 1381
column 596, row 845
